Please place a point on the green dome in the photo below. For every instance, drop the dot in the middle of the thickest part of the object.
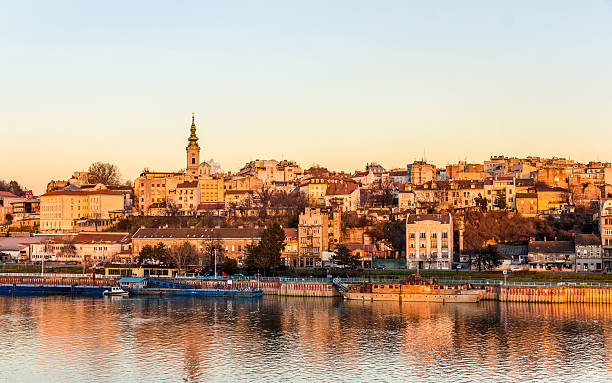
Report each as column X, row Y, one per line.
column 204, row 164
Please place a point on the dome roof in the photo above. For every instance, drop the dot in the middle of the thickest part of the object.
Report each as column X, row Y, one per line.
column 204, row 164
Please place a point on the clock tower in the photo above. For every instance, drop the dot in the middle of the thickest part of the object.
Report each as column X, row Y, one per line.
column 193, row 152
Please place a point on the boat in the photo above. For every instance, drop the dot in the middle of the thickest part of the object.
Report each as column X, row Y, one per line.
column 116, row 290
column 413, row 290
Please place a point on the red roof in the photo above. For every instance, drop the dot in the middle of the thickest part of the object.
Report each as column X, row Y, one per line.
column 99, row 237
column 340, row 189
column 81, row 192
column 291, row 233
column 413, row 218
column 8, row 194
column 188, row 184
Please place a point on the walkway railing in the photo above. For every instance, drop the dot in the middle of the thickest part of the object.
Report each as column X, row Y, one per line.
column 323, row 280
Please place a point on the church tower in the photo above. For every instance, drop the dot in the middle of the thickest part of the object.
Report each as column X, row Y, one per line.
column 193, row 152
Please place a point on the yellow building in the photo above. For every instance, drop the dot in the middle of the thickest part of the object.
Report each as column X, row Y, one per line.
column 313, row 234
column 212, row 189
column 61, row 209
column 552, row 199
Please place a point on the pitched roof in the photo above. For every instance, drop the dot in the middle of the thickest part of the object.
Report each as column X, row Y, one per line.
column 188, row 184
column 587, row 240
column 8, row 194
column 201, row 233
column 87, row 237
column 341, row 188
column 291, row 233
column 81, row 192
column 551, row 247
column 413, row 218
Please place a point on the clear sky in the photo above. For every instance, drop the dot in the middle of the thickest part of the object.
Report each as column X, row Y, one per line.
column 336, row 83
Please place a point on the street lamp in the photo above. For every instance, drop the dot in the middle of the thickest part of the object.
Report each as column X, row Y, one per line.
column 215, row 250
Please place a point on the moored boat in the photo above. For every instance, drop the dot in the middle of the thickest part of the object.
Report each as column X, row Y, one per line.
column 414, row 290
column 117, row 291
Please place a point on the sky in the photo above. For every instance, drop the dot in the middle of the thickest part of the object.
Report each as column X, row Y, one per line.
column 335, row 83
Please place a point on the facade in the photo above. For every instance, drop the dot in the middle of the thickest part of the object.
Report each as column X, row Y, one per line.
column 605, row 226
column 313, row 235
column 588, row 252
column 272, row 171
column 186, row 197
column 61, row 210
column 551, row 255
column 91, row 248
column 429, row 241
column 315, row 188
column 290, row 254
column 342, row 196
column 527, row 204
column 498, row 188
column 422, row 172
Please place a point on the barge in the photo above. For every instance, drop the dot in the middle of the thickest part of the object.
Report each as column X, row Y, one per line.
column 414, row 290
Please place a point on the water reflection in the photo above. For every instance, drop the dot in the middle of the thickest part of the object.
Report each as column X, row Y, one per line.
column 280, row 339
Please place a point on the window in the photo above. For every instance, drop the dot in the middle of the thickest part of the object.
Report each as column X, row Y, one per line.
column 192, row 160
column 423, row 235
column 444, row 234
column 411, row 235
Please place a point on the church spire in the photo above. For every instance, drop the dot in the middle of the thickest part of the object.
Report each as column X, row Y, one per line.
column 193, row 139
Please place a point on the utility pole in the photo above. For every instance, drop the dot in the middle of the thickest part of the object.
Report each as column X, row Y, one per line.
column 215, row 249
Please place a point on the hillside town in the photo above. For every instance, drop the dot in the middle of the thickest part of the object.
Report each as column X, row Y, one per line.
column 532, row 213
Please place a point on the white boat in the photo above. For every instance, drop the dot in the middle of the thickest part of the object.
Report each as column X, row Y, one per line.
column 116, row 290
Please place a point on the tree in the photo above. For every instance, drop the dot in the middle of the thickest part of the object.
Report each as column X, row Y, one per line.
column 12, row 187
column 184, row 255
column 481, row 202
column 343, row 257
column 395, row 233
column 266, row 254
column 230, row 266
column 501, row 200
column 9, row 218
column 104, row 173
column 158, row 254
column 487, row 258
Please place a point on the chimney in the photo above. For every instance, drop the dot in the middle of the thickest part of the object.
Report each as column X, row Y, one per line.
column 544, row 238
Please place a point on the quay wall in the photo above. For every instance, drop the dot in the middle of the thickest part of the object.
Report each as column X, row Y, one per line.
column 549, row 294
column 285, row 288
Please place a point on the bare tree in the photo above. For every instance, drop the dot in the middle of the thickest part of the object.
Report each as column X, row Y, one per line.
column 184, row 255
column 104, row 173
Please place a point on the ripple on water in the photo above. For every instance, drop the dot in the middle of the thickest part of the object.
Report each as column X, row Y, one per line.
column 282, row 339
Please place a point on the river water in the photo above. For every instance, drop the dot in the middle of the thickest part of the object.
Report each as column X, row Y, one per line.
column 183, row 339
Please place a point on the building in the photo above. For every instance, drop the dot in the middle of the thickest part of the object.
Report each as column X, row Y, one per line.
column 605, row 226
column 500, row 193
column 551, row 255
column 429, row 241
column 272, row 171
column 422, row 172
column 527, row 204
column 91, row 248
column 342, row 196
column 464, row 171
column 289, row 255
column 185, row 199
column 232, row 241
column 588, row 252
column 313, row 235
column 66, row 210
column 315, row 188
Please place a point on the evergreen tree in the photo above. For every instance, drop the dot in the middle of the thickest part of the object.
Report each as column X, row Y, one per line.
column 343, row 257
column 266, row 254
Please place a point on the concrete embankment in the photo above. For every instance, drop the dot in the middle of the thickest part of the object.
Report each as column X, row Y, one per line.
column 549, row 294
